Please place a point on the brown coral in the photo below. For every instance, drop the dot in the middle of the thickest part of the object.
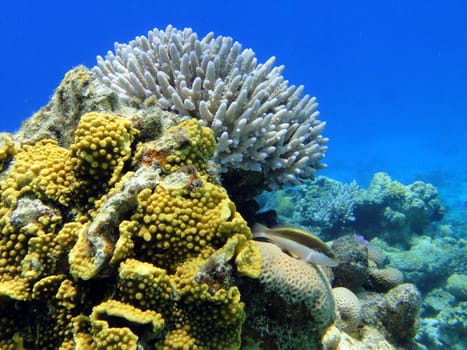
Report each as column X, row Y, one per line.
column 382, row 280
column 348, row 307
column 300, row 302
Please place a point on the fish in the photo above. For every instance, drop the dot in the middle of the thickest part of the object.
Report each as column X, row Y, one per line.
column 298, row 243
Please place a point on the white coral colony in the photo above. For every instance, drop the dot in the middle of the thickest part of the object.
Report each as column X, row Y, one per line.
column 260, row 122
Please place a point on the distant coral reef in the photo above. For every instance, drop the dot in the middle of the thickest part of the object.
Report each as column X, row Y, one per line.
column 383, row 236
column 387, row 209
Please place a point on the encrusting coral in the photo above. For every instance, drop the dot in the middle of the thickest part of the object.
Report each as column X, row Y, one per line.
column 111, row 250
column 118, row 243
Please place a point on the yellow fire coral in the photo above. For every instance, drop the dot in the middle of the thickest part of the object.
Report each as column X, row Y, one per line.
column 42, row 168
column 176, row 222
column 109, row 337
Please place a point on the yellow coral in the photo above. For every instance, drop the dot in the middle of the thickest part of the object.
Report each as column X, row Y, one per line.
column 101, row 147
column 69, row 219
column 107, row 337
column 27, row 232
column 7, row 148
column 176, row 223
column 60, row 296
column 195, row 144
column 179, row 339
column 146, row 286
column 44, row 169
column 245, row 252
column 16, row 288
column 213, row 316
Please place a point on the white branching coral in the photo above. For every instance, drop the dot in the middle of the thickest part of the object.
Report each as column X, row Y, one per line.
column 260, row 122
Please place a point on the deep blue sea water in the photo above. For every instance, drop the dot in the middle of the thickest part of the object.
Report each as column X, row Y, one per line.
column 390, row 76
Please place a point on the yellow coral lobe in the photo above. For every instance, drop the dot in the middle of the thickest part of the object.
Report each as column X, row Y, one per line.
column 248, row 259
column 44, row 169
column 7, row 148
column 102, row 145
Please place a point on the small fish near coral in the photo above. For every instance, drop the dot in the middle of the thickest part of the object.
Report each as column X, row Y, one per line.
column 297, row 243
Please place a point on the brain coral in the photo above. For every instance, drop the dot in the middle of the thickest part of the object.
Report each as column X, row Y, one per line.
column 348, row 307
column 260, row 123
column 300, row 302
column 382, row 280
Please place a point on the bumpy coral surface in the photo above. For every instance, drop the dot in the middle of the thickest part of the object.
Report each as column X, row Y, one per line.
column 113, row 244
column 394, row 314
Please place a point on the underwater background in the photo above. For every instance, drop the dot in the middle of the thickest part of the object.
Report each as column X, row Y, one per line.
column 391, row 81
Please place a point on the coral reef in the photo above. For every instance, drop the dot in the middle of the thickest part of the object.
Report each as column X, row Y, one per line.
column 387, row 209
column 79, row 93
column 352, row 271
column 260, row 123
column 443, row 316
column 382, row 280
column 116, row 233
column 445, row 328
column 446, row 257
column 322, row 205
column 115, row 230
column 328, row 205
column 102, row 248
column 396, row 210
column 457, row 286
column 369, row 338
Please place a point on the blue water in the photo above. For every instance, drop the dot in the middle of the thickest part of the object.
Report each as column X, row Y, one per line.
column 390, row 76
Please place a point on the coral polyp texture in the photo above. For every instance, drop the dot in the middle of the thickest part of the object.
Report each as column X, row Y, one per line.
column 260, row 123
column 103, row 248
